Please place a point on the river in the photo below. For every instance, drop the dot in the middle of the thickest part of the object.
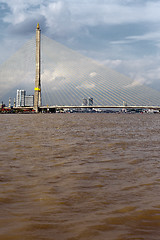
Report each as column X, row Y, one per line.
column 80, row 176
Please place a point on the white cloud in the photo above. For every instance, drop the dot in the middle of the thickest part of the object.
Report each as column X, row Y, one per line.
column 86, row 86
column 67, row 17
column 57, row 16
column 19, row 10
column 112, row 63
column 93, row 74
column 83, row 12
column 135, row 83
column 142, row 71
column 148, row 36
column 114, row 12
column 52, row 76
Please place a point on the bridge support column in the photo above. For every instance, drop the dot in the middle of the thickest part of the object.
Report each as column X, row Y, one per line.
column 37, row 90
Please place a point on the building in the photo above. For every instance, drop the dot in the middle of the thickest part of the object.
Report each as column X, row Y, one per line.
column 29, row 101
column 20, row 98
column 90, row 101
column 2, row 105
column 84, row 103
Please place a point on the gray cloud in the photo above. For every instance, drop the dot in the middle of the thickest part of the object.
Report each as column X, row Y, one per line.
column 90, row 13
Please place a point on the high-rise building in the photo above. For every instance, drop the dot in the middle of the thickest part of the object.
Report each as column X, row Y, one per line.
column 14, row 104
column 29, row 101
column 84, row 103
column 90, row 101
column 124, row 104
column 20, row 98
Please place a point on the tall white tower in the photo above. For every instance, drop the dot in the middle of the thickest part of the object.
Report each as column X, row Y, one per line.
column 37, row 90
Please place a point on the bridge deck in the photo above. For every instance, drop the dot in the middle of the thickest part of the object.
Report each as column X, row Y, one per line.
column 75, row 107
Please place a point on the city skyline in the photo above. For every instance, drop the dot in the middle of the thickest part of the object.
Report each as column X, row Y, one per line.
column 123, row 35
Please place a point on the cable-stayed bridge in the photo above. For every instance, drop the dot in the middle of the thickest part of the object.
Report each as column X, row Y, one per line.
column 67, row 77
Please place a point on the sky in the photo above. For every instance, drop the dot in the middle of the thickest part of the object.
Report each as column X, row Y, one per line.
column 121, row 34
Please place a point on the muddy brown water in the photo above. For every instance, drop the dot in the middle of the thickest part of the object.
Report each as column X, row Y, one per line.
column 80, row 176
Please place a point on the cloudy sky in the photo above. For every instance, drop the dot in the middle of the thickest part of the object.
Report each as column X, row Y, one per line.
column 121, row 34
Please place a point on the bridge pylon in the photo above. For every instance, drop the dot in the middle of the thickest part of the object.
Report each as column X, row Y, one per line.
column 37, row 89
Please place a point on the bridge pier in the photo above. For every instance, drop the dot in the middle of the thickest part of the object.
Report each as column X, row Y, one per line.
column 37, row 89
